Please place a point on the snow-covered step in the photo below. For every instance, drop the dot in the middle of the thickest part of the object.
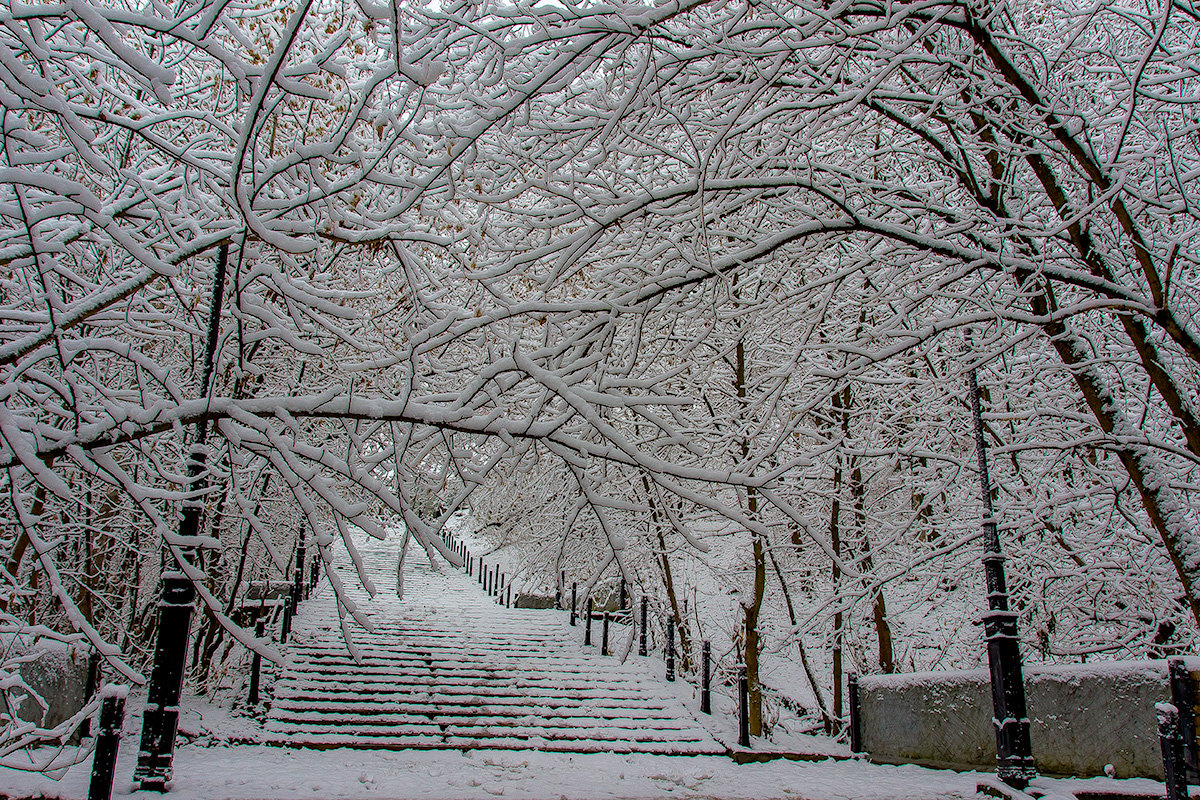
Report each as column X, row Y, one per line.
column 445, row 667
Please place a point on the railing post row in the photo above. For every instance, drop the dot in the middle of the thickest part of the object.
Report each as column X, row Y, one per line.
column 705, row 678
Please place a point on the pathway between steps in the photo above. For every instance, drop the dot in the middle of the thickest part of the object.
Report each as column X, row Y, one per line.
column 447, row 668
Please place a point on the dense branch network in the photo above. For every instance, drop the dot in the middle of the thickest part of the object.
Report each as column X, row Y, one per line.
column 713, row 270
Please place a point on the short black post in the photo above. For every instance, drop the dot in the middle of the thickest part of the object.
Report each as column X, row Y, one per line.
column 1183, row 697
column 314, row 574
column 574, row 588
column 560, row 588
column 108, row 741
column 298, row 587
column 855, row 713
column 509, row 604
column 1172, row 751
column 670, row 653
column 285, row 626
column 93, row 684
column 642, row 630
column 160, row 720
column 743, row 707
column 705, row 678
column 604, row 635
column 256, row 664
column 587, row 630
column 624, row 595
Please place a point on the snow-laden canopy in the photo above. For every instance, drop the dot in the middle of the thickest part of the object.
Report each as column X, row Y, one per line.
column 686, row 292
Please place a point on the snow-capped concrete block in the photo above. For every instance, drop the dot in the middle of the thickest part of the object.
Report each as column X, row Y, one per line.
column 1082, row 717
column 56, row 672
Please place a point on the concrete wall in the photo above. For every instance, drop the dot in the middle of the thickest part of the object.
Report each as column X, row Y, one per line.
column 58, row 673
column 1082, row 717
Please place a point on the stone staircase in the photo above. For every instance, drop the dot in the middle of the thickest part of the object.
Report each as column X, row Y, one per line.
column 445, row 667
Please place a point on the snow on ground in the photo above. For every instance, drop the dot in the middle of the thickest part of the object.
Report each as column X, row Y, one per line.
column 269, row 773
column 209, row 766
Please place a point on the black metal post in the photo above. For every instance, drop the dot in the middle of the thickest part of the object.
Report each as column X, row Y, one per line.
column 298, row 587
column 604, row 635
column 705, row 678
column 670, row 652
column 642, row 630
column 160, row 721
column 624, row 595
column 315, row 574
column 509, row 603
column 743, row 707
column 574, row 588
column 108, row 741
column 855, row 713
column 161, row 715
column 1183, row 696
column 285, row 626
column 587, row 630
column 1014, row 753
column 256, row 664
column 1171, row 742
column 93, row 683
